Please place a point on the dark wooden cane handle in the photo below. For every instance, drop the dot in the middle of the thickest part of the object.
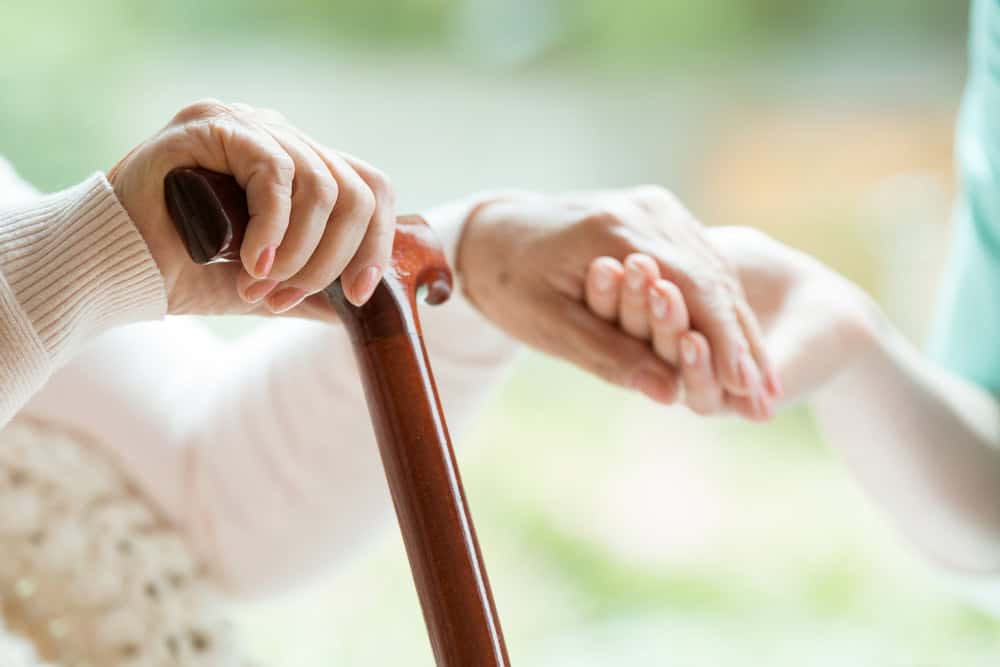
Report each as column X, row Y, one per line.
column 210, row 212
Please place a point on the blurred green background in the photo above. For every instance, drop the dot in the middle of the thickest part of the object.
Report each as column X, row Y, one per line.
column 616, row 532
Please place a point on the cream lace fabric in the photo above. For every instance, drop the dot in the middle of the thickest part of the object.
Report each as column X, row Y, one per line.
column 90, row 576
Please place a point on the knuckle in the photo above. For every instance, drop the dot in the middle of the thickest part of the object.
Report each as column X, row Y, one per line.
column 600, row 222
column 201, row 110
column 607, row 228
column 320, row 188
column 282, row 168
column 363, row 203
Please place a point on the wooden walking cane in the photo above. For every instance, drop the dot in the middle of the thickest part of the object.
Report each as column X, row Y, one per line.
column 210, row 212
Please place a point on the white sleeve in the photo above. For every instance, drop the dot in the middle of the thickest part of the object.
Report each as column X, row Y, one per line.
column 261, row 450
column 72, row 265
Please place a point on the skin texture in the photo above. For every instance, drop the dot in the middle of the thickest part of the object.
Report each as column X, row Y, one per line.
column 924, row 442
column 316, row 213
column 800, row 305
column 524, row 263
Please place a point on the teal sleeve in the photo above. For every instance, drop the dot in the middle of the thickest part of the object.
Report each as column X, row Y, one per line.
column 966, row 336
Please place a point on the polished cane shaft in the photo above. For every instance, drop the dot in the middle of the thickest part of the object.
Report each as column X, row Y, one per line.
column 209, row 210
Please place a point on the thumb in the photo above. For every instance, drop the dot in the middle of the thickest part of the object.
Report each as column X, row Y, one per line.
column 596, row 346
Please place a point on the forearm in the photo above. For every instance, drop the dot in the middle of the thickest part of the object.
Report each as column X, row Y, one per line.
column 926, row 445
column 282, row 473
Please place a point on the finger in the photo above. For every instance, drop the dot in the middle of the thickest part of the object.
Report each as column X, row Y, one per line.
column 253, row 291
column 640, row 272
column 711, row 303
column 370, row 262
column 755, row 338
column 601, row 348
column 709, row 287
column 669, row 319
column 756, row 394
column 315, row 193
column 344, row 231
column 703, row 393
column 603, row 287
column 753, row 402
column 259, row 164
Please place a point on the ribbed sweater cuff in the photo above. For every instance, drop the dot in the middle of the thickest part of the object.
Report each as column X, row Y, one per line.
column 76, row 265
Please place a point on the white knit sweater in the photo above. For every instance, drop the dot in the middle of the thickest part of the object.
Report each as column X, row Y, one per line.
column 143, row 466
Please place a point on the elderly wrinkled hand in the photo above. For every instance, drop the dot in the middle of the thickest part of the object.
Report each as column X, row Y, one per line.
column 524, row 262
column 316, row 214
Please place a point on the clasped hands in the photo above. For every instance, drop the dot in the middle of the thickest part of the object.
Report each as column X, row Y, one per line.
column 626, row 284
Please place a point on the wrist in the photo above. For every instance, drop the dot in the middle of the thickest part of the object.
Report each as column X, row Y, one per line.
column 866, row 339
column 141, row 199
column 869, row 328
column 484, row 242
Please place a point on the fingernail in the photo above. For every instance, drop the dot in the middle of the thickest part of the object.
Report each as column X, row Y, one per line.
column 634, row 276
column 653, row 385
column 657, row 303
column 602, row 279
column 689, row 352
column 365, row 284
column 286, row 299
column 264, row 262
column 257, row 290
